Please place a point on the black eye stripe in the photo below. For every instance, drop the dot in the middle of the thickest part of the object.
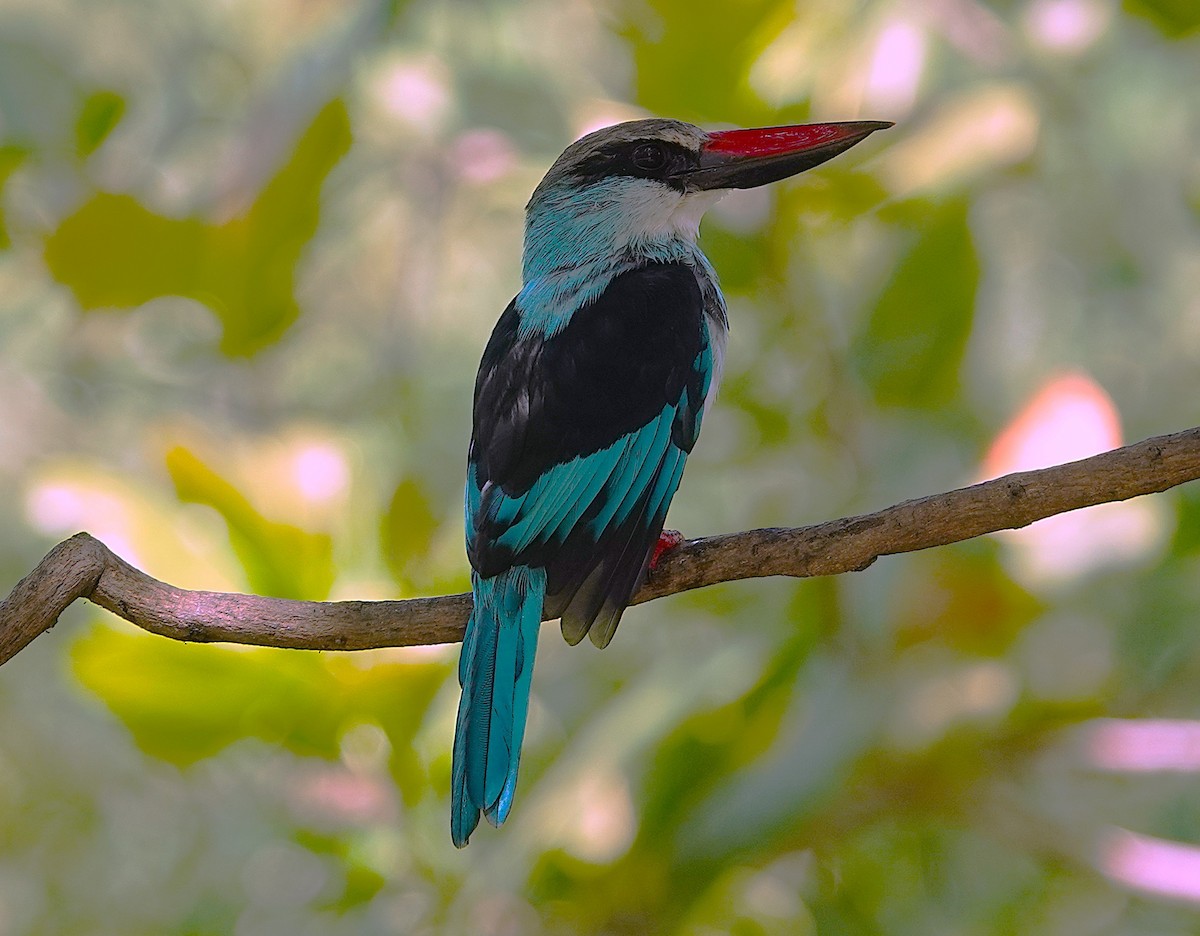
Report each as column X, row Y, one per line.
column 633, row 159
column 649, row 157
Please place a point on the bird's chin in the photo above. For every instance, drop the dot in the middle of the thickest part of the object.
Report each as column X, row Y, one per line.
column 659, row 213
column 686, row 218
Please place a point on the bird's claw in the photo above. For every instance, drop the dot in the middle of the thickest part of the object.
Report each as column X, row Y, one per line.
column 667, row 540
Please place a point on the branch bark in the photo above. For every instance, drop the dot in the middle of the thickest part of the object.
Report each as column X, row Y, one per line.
column 83, row 567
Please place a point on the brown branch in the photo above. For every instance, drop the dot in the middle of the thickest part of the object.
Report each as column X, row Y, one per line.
column 83, row 567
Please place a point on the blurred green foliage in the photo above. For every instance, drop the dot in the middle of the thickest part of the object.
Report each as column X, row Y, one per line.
column 911, row 351
column 407, row 531
column 11, row 158
column 101, row 112
column 113, row 252
column 1176, row 18
column 281, row 560
column 674, row 44
column 206, row 698
column 250, row 254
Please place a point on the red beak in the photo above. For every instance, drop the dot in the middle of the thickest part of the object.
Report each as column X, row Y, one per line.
column 749, row 158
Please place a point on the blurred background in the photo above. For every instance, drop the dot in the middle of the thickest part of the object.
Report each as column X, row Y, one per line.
column 250, row 251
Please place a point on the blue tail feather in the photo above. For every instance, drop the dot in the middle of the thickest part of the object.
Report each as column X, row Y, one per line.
column 495, row 670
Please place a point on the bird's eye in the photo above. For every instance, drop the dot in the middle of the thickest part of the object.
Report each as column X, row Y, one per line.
column 649, row 157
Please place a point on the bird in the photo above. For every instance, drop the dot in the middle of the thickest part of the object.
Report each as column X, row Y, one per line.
column 589, row 398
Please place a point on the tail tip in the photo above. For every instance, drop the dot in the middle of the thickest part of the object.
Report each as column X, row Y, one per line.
column 463, row 822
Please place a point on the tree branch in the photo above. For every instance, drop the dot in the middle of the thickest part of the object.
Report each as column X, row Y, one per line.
column 83, row 567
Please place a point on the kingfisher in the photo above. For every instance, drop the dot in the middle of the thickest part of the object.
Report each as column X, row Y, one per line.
column 589, row 398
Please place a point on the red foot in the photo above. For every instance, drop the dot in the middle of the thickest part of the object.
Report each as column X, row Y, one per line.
column 667, row 540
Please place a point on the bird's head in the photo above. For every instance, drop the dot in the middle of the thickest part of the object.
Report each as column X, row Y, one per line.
column 647, row 181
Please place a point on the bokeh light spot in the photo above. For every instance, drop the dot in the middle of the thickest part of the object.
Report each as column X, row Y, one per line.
column 896, row 69
column 320, row 471
column 1151, row 864
column 1070, row 418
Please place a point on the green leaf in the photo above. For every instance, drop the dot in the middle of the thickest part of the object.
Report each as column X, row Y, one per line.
column 912, row 349
column 694, row 63
column 407, row 530
column 709, row 746
column 115, row 252
column 1174, row 18
column 1187, row 528
column 731, row 905
column 184, row 702
column 963, row 597
column 101, row 112
column 11, row 158
column 362, row 884
column 280, row 560
column 740, row 257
